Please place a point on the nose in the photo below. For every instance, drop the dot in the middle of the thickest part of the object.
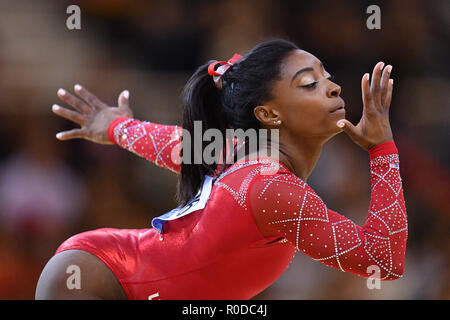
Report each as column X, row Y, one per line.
column 334, row 90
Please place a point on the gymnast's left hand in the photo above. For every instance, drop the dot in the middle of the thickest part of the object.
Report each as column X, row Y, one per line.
column 92, row 114
column 374, row 127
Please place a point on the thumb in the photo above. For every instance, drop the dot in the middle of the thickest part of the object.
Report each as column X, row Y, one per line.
column 349, row 129
column 123, row 101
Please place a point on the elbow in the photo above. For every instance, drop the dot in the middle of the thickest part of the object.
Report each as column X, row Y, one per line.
column 401, row 270
column 397, row 268
column 393, row 277
column 397, row 272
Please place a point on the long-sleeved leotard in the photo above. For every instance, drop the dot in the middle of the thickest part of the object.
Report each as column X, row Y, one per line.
column 157, row 143
column 330, row 237
column 287, row 206
column 225, row 254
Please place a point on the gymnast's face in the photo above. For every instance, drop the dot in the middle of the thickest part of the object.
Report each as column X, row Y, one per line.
column 304, row 99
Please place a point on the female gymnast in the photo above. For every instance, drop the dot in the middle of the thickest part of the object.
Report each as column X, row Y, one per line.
column 239, row 226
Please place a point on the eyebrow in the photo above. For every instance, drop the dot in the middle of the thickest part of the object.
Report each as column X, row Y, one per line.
column 303, row 70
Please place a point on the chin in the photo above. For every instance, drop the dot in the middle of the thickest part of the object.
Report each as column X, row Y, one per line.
column 334, row 132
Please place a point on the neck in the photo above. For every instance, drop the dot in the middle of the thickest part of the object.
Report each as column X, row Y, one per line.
column 300, row 155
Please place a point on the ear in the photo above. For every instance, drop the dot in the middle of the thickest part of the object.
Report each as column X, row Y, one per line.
column 267, row 115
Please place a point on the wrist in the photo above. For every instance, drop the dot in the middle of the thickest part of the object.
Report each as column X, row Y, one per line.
column 113, row 125
column 383, row 149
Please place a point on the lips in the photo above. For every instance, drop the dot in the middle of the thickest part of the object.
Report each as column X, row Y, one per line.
column 337, row 108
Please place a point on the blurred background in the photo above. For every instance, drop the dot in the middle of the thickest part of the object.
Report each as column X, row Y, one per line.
column 50, row 190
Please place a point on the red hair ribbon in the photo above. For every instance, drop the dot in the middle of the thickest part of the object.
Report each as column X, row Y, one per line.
column 217, row 74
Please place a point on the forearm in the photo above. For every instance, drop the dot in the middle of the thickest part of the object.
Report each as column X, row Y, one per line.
column 382, row 239
column 157, row 143
column 387, row 219
column 287, row 206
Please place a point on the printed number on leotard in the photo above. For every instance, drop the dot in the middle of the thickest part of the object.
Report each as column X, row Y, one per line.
column 198, row 203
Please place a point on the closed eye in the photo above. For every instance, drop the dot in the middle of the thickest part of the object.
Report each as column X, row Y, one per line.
column 311, row 85
column 314, row 84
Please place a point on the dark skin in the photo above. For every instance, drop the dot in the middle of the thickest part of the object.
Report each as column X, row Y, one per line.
column 309, row 95
column 301, row 140
column 97, row 281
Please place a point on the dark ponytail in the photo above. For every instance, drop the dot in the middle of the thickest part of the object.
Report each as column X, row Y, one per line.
column 246, row 85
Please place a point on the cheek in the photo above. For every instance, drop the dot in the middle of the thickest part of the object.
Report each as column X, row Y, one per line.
column 308, row 115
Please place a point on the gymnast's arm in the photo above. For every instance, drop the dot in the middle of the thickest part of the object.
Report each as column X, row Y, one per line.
column 101, row 124
column 159, row 144
column 96, row 281
column 283, row 204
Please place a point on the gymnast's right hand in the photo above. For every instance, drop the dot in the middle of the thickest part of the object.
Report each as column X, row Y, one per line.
column 92, row 114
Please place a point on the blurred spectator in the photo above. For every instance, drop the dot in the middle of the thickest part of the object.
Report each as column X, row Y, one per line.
column 51, row 190
column 41, row 197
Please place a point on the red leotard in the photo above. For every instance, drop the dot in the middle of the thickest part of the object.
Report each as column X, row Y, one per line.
column 219, row 252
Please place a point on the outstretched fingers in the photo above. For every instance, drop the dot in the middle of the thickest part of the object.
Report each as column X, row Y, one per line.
column 72, row 134
column 375, row 86
column 365, row 90
column 385, row 84
column 73, row 101
column 388, row 97
column 90, row 98
column 69, row 114
column 123, row 100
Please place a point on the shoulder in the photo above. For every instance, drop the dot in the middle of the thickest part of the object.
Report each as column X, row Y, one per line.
column 273, row 182
column 239, row 177
column 279, row 197
column 243, row 172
